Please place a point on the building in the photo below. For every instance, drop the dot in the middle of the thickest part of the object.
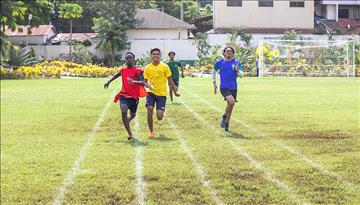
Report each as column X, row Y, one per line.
column 156, row 29
column 335, row 10
column 264, row 16
column 152, row 24
column 343, row 16
column 37, row 36
column 64, row 38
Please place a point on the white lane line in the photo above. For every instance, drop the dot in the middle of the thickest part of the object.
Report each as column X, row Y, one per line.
column 298, row 199
column 69, row 180
column 200, row 170
column 140, row 184
column 279, row 143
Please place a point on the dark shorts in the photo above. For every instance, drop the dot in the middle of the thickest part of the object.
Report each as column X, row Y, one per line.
column 176, row 81
column 160, row 101
column 226, row 92
column 131, row 103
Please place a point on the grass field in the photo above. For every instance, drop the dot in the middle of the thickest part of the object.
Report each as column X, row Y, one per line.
column 292, row 141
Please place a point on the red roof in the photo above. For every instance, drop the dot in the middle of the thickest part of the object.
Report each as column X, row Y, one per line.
column 42, row 30
column 75, row 36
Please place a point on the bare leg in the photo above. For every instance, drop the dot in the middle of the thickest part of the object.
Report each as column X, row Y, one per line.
column 125, row 119
column 171, row 94
column 230, row 105
column 132, row 116
column 160, row 115
column 150, row 111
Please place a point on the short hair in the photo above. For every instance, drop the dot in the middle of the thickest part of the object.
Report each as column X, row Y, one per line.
column 130, row 53
column 171, row 52
column 154, row 49
column 227, row 48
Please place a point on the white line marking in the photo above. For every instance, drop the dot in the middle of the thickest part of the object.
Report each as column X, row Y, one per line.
column 200, row 170
column 140, row 184
column 69, row 180
column 269, row 176
column 279, row 143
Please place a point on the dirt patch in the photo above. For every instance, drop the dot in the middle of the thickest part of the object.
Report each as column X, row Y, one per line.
column 322, row 135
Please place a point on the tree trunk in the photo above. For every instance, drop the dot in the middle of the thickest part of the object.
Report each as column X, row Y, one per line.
column 70, row 40
column 112, row 55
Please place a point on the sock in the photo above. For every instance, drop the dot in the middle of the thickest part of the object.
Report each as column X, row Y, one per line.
column 224, row 117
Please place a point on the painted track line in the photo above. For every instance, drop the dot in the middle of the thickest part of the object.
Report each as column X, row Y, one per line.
column 298, row 199
column 281, row 144
column 200, row 170
column 75, row 170
column 140, row 184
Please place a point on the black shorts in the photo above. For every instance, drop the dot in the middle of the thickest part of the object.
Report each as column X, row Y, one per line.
column 226, row 92
column 131, row 103
column 160, row 101
column 176, row 81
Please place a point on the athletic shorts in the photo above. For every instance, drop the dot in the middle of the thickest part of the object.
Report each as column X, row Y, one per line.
column 176, row 81
column 131, row 103
column 152, row 99
column 226, row 92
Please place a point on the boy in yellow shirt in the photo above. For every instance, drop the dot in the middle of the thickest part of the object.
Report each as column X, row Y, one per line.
column 156, row 74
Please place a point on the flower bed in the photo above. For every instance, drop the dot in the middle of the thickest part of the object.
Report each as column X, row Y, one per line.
column 55, row 69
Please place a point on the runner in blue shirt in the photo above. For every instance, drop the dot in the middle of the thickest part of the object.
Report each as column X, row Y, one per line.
column 229, row 69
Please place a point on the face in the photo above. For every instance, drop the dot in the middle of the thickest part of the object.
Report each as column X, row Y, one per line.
column 172, row 56
column 155, row 56
column 228, row 53
column 129, row 60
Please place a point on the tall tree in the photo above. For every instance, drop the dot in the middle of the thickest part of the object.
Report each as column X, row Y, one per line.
column 70, row 11
column 14, row 13
column 116, row 18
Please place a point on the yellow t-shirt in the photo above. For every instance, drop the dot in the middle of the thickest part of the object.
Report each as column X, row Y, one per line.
column 157, row 77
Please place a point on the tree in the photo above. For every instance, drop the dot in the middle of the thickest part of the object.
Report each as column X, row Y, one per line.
column 15, row 13
column 40, row 10
column 192, row 11
column 203, row 47
column 70, row 11
column 111, row 27
column 208, row 10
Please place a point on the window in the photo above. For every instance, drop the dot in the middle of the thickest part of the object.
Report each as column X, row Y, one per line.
column 234, row 3
column 266, row 3
column 344, row 13
column 295, row 3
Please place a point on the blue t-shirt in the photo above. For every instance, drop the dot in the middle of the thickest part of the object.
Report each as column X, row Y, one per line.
column 228, row 73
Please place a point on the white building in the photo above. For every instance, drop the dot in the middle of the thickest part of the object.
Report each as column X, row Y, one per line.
column 335, row 10
column 37, row 35
column 263, row 16
column 156, row 29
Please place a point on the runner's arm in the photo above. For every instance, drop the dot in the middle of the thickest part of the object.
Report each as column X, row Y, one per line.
column 182, row 71
column 172, row 86
column 106, row 85
column 141, row 81
column 214, row 80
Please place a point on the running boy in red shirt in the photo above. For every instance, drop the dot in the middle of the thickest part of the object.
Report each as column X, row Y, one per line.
column 132, row 89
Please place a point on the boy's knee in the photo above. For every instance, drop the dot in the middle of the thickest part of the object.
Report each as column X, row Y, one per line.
column 160, row 115
column 150, row 110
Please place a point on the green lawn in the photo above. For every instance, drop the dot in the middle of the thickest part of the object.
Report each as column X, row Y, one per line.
column 292, row 141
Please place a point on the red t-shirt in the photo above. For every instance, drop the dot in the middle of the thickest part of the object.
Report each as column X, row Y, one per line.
column 130, row 90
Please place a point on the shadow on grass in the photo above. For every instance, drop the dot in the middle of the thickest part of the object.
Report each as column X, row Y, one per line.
column 234, row 135
column 162, row 138
column 136, row 143
column 176, row 103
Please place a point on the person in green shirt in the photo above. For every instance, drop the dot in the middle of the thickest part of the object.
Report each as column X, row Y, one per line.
column 174, row 67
